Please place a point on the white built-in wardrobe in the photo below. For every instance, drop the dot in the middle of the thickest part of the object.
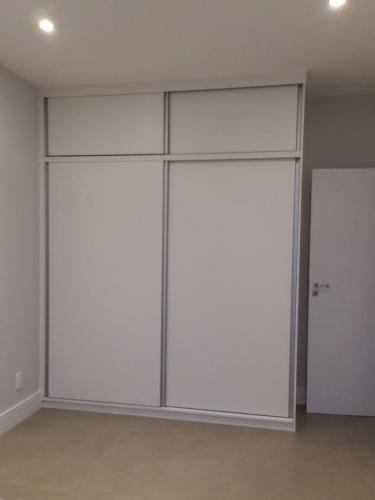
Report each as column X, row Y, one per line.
column 171, row 231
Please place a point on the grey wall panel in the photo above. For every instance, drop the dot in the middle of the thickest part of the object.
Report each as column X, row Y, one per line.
column 234, row 120
column 106, row 125
column 19, row 255
column 339, row 133
column 229, row 285
column 105, row 275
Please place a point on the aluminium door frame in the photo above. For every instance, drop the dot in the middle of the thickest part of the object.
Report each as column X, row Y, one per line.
column 297, row 155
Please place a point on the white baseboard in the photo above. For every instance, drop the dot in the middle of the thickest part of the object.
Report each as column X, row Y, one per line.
column 19, row 412
column 215, row 417
column 301, row 395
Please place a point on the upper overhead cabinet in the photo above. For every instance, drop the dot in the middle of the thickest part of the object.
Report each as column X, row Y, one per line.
column 106, row 125
column 235, row 120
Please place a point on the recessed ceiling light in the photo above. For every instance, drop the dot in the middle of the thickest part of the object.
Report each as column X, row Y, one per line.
column 336, row 4
column 46, row 25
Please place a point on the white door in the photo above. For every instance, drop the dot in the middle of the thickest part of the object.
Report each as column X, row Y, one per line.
column 229, row 285
column 341, row 346
column 105, row 247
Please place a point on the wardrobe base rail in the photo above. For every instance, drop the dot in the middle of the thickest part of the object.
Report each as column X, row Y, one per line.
column 215, row 417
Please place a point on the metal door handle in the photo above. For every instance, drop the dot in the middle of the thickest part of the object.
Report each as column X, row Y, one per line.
column 319, row 286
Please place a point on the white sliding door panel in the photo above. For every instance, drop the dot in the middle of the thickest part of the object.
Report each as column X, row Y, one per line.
column 106, row 125
column 235, row 120
column 229, row 285
column 105, row 241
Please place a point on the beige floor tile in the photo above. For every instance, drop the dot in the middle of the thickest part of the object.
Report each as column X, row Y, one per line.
column 63, row 455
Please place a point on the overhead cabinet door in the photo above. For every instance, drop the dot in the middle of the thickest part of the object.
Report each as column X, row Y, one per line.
column 106, row 125
column 238, row 120
column 229, row 286
column 105, row 230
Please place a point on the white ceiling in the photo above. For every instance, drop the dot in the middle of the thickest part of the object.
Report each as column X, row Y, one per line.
column 127, row 41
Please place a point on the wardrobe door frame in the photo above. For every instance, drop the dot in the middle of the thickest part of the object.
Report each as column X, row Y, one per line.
column 297, row 155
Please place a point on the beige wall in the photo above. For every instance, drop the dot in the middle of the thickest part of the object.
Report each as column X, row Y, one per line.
column 339, row 133
column 19, row 337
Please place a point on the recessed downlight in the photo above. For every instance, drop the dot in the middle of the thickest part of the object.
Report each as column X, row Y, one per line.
column 46, row 25
column 336, row 4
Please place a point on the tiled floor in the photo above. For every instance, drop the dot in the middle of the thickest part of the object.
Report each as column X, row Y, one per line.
column 85, row 456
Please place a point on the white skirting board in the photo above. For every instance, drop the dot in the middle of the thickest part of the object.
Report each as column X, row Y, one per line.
column 19, row 412
column 215, row 417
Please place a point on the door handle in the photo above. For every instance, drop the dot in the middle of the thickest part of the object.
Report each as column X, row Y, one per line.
column 319, row 286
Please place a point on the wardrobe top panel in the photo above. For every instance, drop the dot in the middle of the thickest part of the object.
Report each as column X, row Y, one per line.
column 234, row 120
column 106, row 125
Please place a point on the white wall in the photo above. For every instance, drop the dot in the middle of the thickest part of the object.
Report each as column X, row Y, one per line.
column 339, row 133
column 19, row 337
